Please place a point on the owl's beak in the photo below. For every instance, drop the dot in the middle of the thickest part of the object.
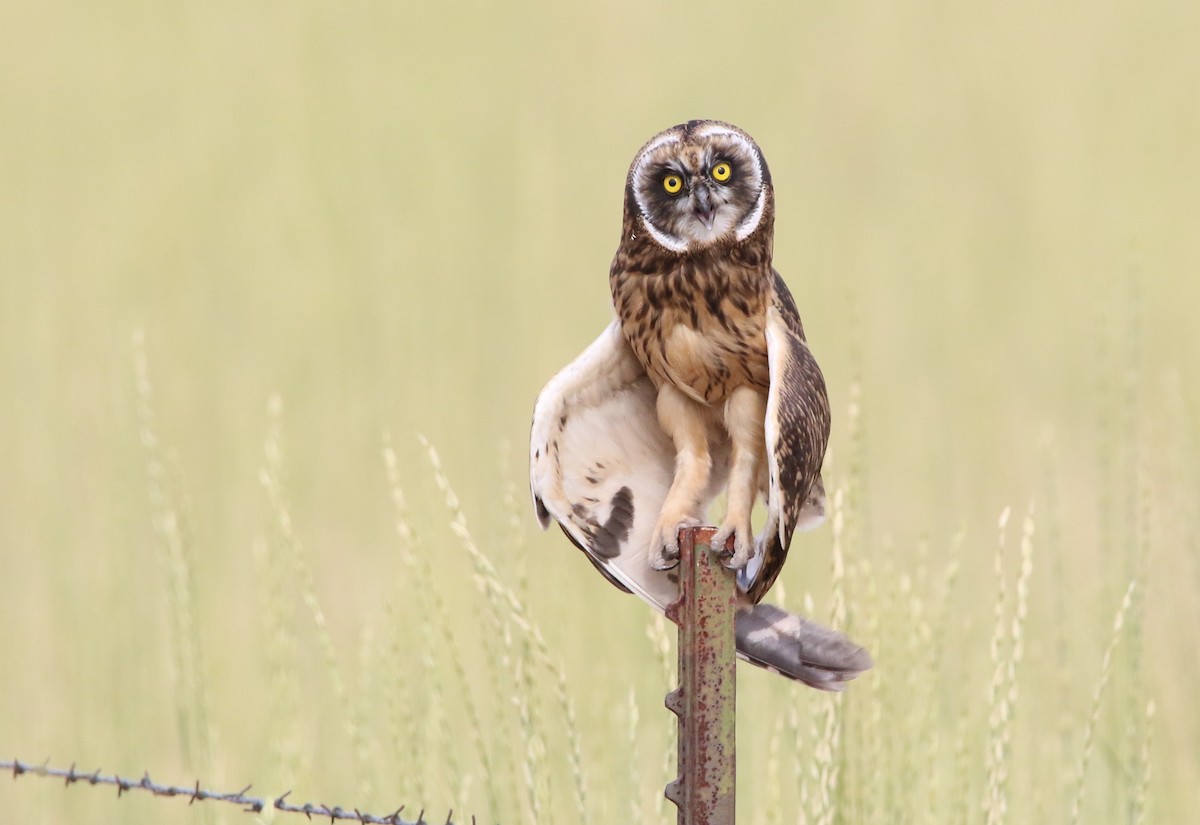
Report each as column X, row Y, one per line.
column 703, row 206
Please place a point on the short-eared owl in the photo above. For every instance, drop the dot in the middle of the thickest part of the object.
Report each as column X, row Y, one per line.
column 702, row 383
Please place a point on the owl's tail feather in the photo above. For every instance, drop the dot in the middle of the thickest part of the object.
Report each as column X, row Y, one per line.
column 798, row 648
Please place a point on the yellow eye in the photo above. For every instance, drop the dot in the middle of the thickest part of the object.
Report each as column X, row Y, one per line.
column 672, row 183
column 721, row 172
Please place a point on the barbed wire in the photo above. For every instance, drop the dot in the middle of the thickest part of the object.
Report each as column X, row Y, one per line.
column 250, row 804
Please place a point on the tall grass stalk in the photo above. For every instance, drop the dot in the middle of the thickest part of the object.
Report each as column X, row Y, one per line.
column 912, row 681
column 521, row 658
column 533, row 772
column 369, row 650
column 961, row 810
column 1135, row 689
column 772, row 812
column 487, row 580
column 799, row 752
column 1142, row 791
column 403, row 708
column 856, row 467
column 827, row 744
column 502, row 667
column 271, row 476
column 1003, row 691
column 1058, row 664
column 515, row 665
column 936, row 645
column 409, row 701
column 633, row 762
column 415, row 557
column 1098, row 695
column 280, row 655
column 994, row 802
column 870, row 804
column 178, row 564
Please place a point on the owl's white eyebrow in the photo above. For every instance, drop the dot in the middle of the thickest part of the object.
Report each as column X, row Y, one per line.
column 648, row 149
column 740, row 139
column 717, row 129
column 737, row 137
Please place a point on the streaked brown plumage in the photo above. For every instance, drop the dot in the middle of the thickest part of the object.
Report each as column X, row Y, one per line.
column 703, row 383
column 724, row 302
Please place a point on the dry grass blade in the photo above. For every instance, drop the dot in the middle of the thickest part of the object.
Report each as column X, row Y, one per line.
column 1097, row 697
column 271, row 477
column 488, row 581
column 178, row 568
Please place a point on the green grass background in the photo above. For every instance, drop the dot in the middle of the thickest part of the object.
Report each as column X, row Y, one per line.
column 399, row 217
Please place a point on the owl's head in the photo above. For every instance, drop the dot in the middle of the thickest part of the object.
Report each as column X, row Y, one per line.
column 699, row 183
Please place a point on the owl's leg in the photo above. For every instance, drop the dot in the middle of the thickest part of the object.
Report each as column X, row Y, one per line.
column 684, row 421
column 745, row 414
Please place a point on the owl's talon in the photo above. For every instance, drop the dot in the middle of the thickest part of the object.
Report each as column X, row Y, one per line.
column 663, row 558
column 664, row 545
column 743, row 545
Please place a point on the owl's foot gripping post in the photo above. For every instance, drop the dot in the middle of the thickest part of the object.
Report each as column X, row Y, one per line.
column 743, row 542
column 664, row 544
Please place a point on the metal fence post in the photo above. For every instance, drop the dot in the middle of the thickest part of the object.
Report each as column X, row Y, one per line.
column 705, row 700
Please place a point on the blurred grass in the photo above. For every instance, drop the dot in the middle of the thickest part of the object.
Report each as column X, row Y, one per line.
column 400, row 218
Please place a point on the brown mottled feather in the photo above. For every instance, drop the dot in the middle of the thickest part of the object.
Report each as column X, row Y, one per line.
column 802, row 421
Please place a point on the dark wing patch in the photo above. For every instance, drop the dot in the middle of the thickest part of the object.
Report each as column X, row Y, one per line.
column 599, row 565
column 606, row 543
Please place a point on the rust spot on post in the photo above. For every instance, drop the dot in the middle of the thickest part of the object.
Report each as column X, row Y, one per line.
column 705, row 700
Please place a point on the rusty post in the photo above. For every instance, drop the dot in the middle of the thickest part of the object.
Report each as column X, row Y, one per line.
column 705, row 700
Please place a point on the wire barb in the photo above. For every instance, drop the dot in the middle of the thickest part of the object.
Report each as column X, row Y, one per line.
column 249, row 804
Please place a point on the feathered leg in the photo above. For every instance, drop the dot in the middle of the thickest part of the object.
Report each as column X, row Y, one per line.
column 745, row 414
column 684, row 421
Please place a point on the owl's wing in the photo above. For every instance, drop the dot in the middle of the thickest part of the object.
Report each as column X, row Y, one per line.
column 797, row 431
column 600, row 464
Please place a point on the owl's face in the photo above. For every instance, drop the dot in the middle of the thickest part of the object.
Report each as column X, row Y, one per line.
column 699, row 183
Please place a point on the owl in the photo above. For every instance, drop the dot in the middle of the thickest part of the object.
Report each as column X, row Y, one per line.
column 702, row 384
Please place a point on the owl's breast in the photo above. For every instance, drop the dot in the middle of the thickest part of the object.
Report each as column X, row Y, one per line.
column 705, row 335
column 709, row 364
